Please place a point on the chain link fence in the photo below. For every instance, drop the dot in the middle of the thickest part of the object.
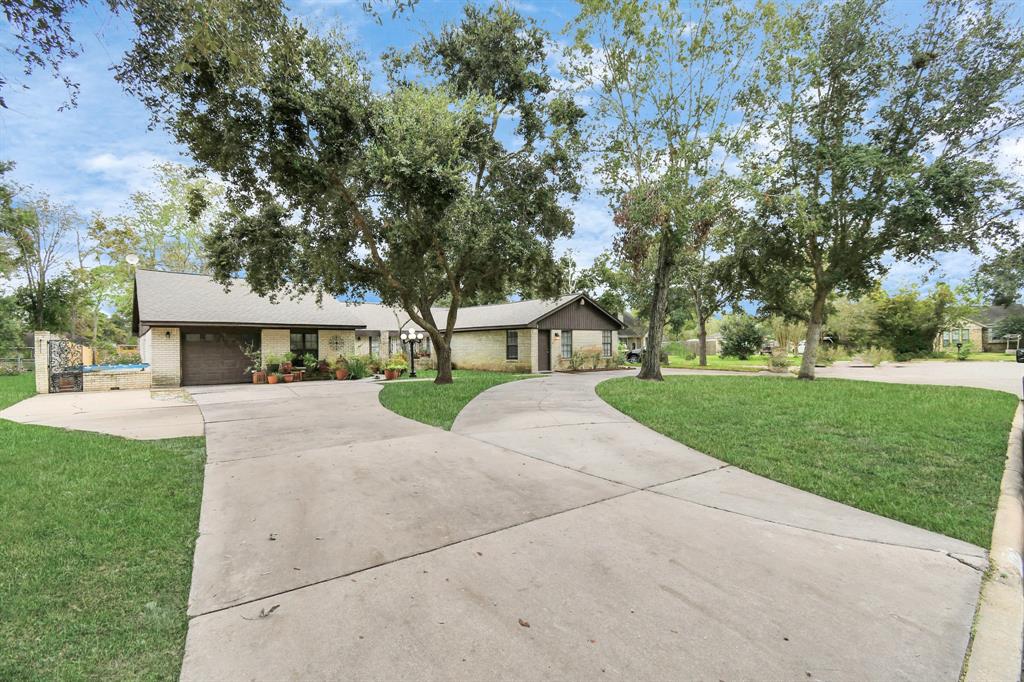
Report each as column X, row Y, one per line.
column 16, row 360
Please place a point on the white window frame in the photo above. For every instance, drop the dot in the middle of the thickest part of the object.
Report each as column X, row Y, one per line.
column 566, row 337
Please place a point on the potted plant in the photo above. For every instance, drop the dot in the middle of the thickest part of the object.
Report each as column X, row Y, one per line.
column 273, row 364
column 286, row 363
column 289, row 377
column 396, row 365
column 340, row 369
column 273, row 378
column 254, row 355
column 358, row 366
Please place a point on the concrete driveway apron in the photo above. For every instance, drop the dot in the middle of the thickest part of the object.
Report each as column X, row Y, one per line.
column 547, row 537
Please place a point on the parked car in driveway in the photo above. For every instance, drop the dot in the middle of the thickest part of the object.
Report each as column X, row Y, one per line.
column 1020, row 355
column 633, row 355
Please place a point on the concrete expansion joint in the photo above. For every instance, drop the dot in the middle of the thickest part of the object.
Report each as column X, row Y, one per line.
column 809, row 529
column 683, row 478
column 968, row 564
column 413, row 555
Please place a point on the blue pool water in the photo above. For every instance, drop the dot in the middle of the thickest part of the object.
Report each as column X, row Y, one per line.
column 109, row 368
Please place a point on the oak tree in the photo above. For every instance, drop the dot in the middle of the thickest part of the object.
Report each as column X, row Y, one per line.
column 412, row 193
column 877, row 146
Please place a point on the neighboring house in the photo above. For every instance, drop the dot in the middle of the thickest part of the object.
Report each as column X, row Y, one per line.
column 978, row 330
column 633, row 333
column 713, row 341
column 191, row 331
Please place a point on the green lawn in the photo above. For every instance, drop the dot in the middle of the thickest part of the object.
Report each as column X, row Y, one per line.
column 437, row 405
column 96, row 543
column 930, row 456
column 754, row 364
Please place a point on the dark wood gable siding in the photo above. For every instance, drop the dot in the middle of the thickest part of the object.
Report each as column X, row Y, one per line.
column 576, row 316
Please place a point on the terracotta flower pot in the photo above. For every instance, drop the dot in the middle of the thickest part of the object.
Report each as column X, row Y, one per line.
column 286, row 367
column 297, row 376
column 272, row 379
column 289, row 378
column 391, row 374
column 259, row 377
column 341, row 374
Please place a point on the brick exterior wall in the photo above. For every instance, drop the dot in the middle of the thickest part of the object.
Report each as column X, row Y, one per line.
column 976, row 338
column 42, row 361
column 165, row 351
column 274, row 342
column 335, row 342
column 123, row 381
column 581, row 339
column 362, row 345
column 486, row 350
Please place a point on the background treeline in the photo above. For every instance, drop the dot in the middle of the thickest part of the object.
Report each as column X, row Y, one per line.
column 69, row 273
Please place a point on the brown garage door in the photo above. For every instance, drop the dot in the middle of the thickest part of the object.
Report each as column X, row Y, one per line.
column 215, row 356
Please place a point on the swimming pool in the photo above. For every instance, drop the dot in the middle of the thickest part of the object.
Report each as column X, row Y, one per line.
column 115, row 368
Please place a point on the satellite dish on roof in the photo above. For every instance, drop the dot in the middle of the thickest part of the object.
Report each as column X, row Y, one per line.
column 132, row 259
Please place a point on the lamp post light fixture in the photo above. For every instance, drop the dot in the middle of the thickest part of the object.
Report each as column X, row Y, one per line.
column 412, row 338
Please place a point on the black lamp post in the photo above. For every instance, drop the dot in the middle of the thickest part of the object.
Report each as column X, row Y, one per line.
column 412, row 338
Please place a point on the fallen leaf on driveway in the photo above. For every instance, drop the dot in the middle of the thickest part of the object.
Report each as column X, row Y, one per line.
column 524, row 623
column 264, row 612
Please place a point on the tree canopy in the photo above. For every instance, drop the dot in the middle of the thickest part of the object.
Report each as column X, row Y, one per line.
column 335, row 188
column 666, row 85
column 877, row 146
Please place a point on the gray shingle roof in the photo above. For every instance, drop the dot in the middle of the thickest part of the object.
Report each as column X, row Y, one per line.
column 180, row 298
column 633, row 326
column 515, row 314
column 991, row 315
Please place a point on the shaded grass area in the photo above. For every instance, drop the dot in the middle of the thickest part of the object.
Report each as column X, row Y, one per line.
column 930, row 456
column 96, row 550
column 437, row 405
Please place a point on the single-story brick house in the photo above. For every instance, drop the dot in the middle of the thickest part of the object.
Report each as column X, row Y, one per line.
column 979, row 330
column 192, row 331
column 634, row 332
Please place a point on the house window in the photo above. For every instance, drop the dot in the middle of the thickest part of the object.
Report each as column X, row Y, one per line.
column 566, row 343
column 302, row 343
column 511, row 345
column 945, row 338
column 606, row 344
column 374, row 346
column 393, row 345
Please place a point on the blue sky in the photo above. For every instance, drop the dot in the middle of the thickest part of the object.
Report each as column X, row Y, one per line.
column 96, row 155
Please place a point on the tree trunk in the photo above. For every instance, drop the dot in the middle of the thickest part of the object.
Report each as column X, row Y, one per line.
column 702, row 341
column 444, row 362
column 650, row 368
column 40, row 303
column 814, row 326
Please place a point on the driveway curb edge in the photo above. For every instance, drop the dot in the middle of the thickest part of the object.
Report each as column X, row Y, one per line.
column 995, row 652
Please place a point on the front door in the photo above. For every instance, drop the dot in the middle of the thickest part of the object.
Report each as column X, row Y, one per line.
column 544, row 350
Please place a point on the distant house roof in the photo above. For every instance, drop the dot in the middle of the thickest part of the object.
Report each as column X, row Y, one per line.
column 175, row 298
column 633, row 326
column 989, row 316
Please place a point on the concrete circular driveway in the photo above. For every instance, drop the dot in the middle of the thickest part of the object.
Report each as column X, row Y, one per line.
column 546, row 537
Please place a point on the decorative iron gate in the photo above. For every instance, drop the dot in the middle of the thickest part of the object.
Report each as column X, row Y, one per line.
column 65, row 363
